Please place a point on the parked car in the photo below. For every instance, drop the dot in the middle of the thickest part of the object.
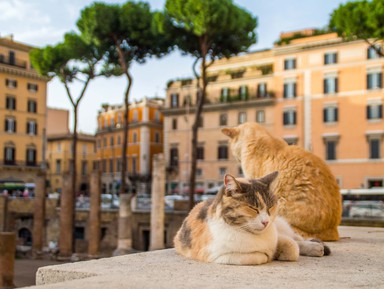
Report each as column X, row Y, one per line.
column 371, row 209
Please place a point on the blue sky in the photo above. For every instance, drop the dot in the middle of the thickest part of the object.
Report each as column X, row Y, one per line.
column 43, row 22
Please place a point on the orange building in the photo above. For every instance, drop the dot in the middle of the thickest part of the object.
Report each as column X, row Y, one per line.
column 145, row 139
column 23, row 95
column 317, row 91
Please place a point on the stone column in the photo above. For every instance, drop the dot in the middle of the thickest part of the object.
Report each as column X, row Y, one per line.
column 66, row 218
column 157, row 207
column 7, row 259
column 94, row 215
column 39, row 215
column 124, row 241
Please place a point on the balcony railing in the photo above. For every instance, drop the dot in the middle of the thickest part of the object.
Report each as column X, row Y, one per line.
column 13, row 62
column 5, row 163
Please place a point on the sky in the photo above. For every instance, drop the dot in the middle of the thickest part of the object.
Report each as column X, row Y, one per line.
column 44, row 22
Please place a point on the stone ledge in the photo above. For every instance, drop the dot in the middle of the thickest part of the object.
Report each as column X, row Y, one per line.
column 356, row 261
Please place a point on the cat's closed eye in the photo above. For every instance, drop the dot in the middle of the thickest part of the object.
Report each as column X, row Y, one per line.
column 253, row 209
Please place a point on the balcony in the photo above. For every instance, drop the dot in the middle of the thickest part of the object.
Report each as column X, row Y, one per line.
column 19, row 164
column 13, row 61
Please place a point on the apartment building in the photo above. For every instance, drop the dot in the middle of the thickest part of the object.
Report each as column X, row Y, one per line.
column 59, row 160
column 145, row 138
column 23, row 96
column 315, row 91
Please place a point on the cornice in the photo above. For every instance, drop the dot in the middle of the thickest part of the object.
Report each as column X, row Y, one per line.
column 22, row 72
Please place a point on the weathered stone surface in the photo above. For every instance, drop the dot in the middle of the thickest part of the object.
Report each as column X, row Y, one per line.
column 356, row 261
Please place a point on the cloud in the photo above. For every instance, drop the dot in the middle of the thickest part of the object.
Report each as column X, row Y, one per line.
column 18, row 10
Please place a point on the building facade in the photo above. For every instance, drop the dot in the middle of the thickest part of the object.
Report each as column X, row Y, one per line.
column 144, row 140
column 318, row 92
column 59, row 160
column 23, row 96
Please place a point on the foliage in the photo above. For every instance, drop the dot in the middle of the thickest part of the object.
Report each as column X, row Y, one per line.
column 298, row 35
column 360, row 19
column 207, row 30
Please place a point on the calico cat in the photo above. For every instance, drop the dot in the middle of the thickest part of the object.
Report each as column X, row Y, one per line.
column 240, row 227
column 312, row 198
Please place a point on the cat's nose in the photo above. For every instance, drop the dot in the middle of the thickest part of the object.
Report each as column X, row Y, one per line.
column 265, row 222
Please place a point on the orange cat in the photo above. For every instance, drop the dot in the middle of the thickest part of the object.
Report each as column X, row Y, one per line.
column 312, row 201
column 240, row 226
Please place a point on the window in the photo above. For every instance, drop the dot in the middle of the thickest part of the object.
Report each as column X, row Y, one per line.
column 372, row 52
column 200, row 153
column 32, row 106
column 199, row 172
column 291, row 140
column 111, row 167
column 330, row 114
column 260, row 116
column 10, row 125
column 31, row 157
column 32, row 127
column 134, row 137
column 374, row 111
column 157, row 137
column 222, row 152
column 243, row 92
column 111, row 141
column 112, row 122
column 330, row 84
column 10, row 103
column 290, row 89
column 157, row 116
column 174, row 123
column 84, row 149
column 330, row 58
column 9, row 155
column 289, row 117
column 118, row 140
column 84, row 168
column 187, row 99
column 225, row 94
column 32, row 87
column 59, row 147
column 135, row 116
column 174, row 100
column 222, row 172
column 289, row 64
column 119, row 164
column 58, row 166
column 242, row 117
column 12, row 58
column 374, row 148
column 134, row 165
column 262, row 90
column 330, row 150
column 105, row 141
column 11, row 83
column 223, row 119
column 375, row 183
column 104, row 166
column 374, row 80
column 174, row 157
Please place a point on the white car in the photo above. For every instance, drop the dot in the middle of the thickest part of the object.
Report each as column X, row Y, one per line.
column 369, row 209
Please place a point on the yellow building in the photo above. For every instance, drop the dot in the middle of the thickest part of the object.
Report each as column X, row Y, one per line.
column 23, row 96
column 59, row 159
column 317, row 91
column 145, row 139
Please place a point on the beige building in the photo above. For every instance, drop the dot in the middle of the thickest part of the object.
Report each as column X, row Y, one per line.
column 23, row 96
column 318, row 92
column 59, row 159
column 57, row 121
column 144, row 140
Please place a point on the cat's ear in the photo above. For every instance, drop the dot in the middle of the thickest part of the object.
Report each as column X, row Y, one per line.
column 230, row 132
column 230, row 183
column 268, row 179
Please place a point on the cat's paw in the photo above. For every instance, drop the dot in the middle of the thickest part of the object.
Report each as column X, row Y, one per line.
column 288, row 253
column 327, row 250
column 313, row 248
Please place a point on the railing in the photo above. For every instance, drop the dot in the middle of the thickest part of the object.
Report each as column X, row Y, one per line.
column 15, row 62
column 19, row 164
